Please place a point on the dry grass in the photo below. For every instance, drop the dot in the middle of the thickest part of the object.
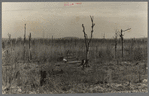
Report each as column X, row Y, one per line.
column 73, row 79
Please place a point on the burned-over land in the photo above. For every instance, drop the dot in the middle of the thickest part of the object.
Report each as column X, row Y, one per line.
column 38, row 67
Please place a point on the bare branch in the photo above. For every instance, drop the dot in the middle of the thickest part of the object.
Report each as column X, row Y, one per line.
column 126, row 30
column 93, row 24
column 91, row 18
column 85, row 35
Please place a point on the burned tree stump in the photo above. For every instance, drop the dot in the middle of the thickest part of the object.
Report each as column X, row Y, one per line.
column 84, row 62
column 43, row 77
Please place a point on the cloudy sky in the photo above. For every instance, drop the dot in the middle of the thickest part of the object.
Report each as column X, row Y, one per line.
column 61, row 20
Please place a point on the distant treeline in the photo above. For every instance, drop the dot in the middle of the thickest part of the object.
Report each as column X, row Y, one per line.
column 71, row 40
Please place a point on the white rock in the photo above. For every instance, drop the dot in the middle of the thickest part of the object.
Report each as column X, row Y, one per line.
column 19, row 90
column 64, row 60
column 32, row 92
column 145, row 80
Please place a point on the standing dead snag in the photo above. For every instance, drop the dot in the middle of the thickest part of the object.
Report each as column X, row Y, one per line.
column 24, row 42
column 116, row 44
column 9, row 41
column 121, row 35
column 30, row 56
column 87, row 42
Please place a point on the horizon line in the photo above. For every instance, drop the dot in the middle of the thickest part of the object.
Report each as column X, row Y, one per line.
column 78, row 38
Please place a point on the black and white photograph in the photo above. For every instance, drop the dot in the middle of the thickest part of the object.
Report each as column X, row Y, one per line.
column 74, row 47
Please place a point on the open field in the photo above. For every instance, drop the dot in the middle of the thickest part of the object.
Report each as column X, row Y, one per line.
column 106, row 74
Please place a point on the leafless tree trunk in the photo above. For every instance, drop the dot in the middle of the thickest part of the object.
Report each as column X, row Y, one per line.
column 122, row 39
column 24, row 42
column 9, row 41
column 87, row 41
column 30, row 56
column 115, row 44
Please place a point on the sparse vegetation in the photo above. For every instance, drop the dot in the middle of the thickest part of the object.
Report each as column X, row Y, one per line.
column 39, row 57
column 69, row 78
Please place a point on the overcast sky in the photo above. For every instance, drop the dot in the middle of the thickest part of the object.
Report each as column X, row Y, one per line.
column 66, row 21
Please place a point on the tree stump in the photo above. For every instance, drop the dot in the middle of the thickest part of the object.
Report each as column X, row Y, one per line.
column 43, row 77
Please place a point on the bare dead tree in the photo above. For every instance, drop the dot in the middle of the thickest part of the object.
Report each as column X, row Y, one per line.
column 122, row 39
column 24, row 34
column 9, row 41
column 87, row 41
column 24, row 42
column 30, row 56
column 116, row 43
column 9, row 35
